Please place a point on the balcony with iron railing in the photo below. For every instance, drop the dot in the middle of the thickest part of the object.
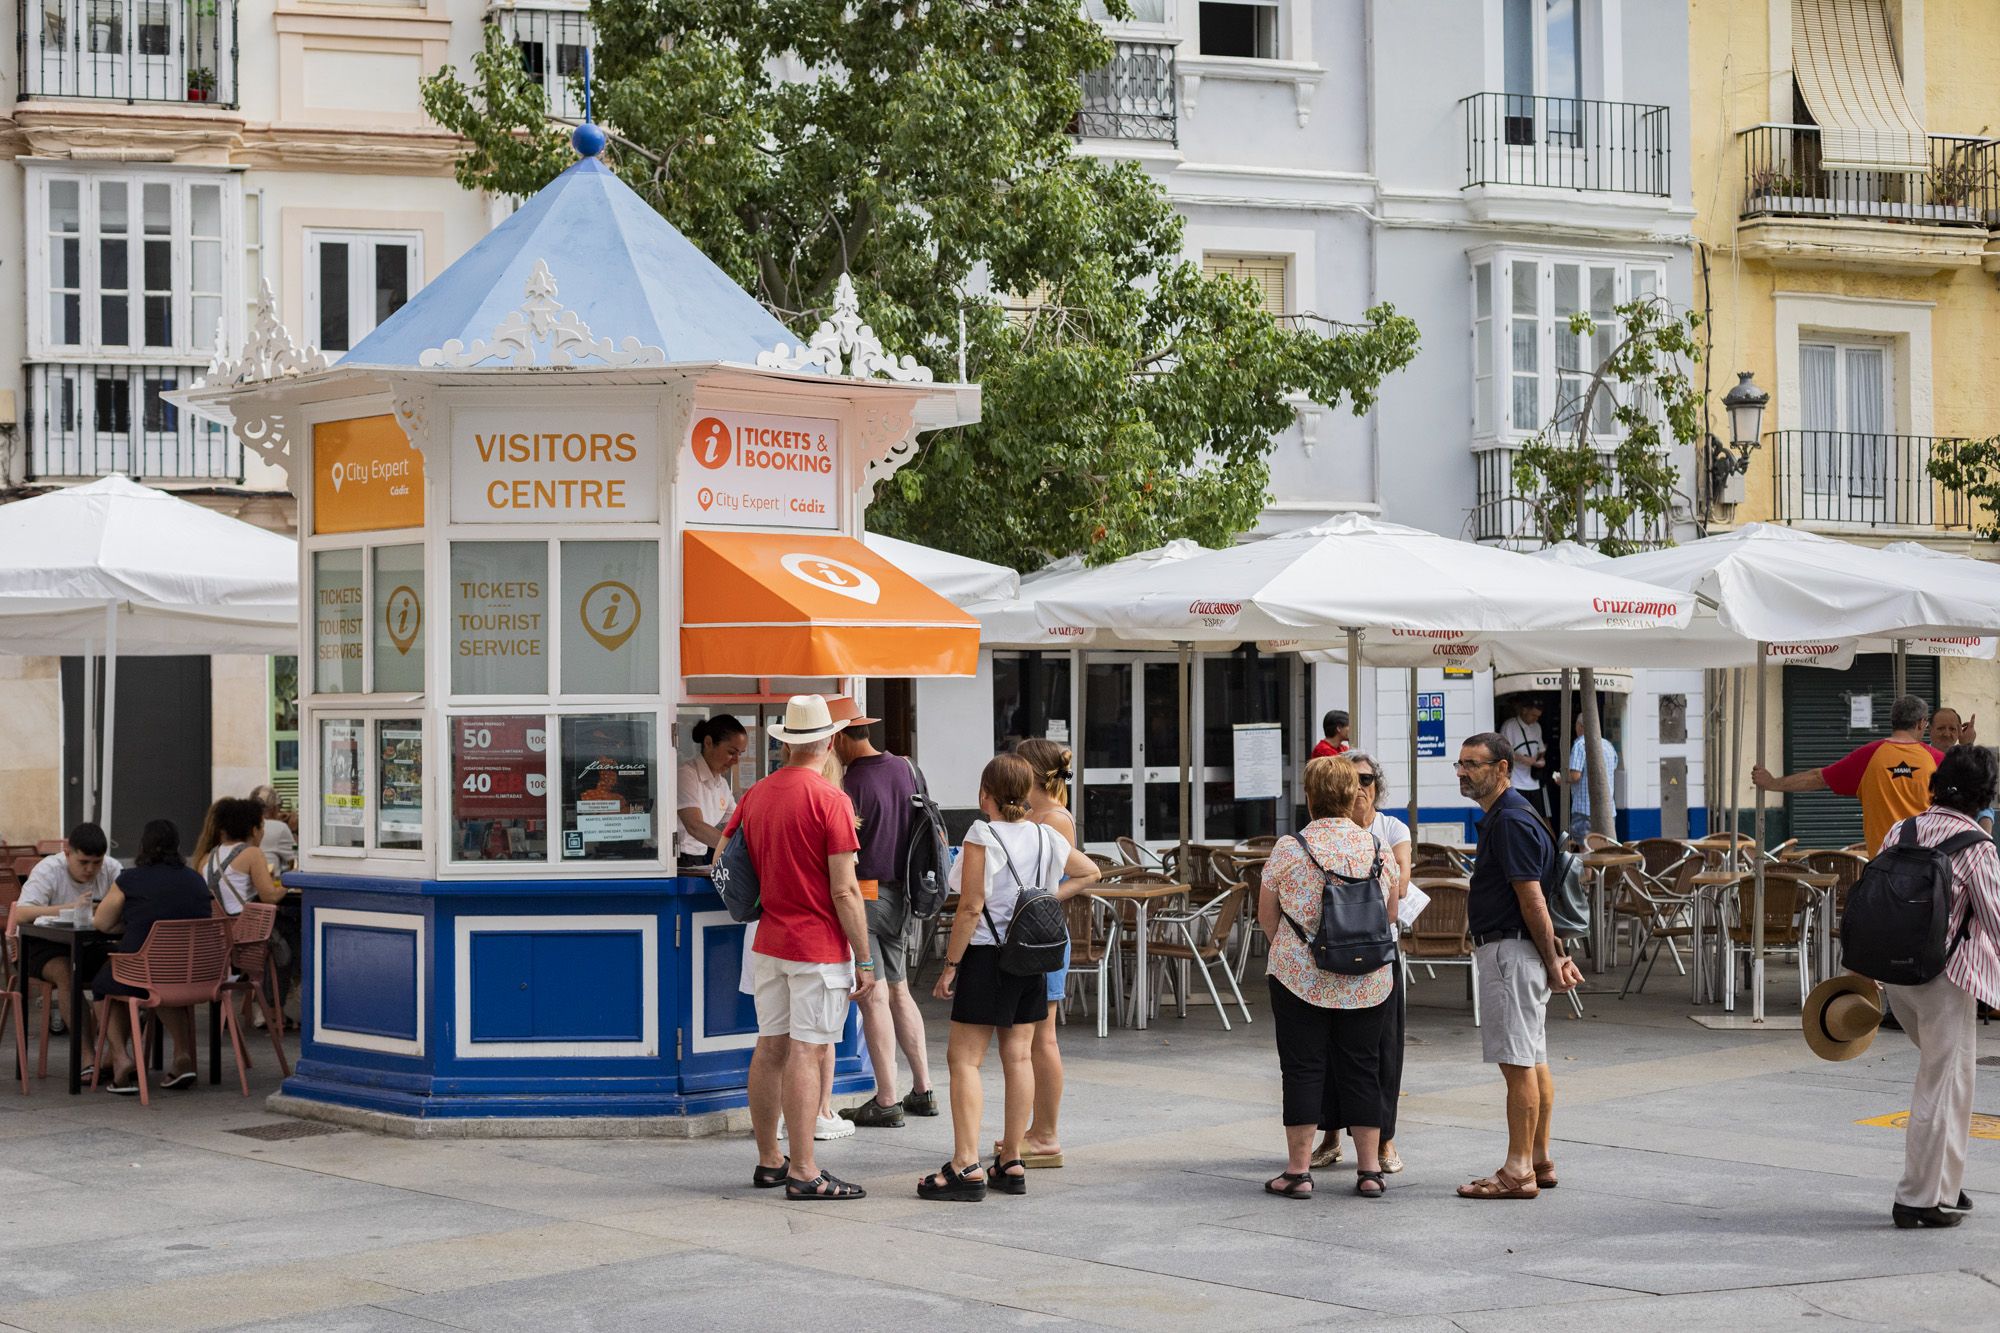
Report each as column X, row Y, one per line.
column 1568, row 143
column 1850, row 479
column 129, row 50
column 553, row 41
column 88, row 420
column 1132, row 97
column 1500, row 513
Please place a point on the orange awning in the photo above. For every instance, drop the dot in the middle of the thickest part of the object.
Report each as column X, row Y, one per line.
column 770, row 604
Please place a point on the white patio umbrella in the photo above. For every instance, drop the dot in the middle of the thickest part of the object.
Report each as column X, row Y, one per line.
column 133, row 570
column 960, row 580
column 1013, row 622
column 1329, row 583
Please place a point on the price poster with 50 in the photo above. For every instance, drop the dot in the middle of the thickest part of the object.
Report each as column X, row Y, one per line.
column 753, row 469
column 502, row 768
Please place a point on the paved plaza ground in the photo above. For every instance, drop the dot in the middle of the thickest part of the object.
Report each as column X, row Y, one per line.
column 1710, row 1180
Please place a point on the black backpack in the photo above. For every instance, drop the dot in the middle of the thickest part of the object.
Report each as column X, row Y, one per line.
column 1038, row 933
column 926, row 852
column 1899, row 912
column 734, row 876
column 1354, row 936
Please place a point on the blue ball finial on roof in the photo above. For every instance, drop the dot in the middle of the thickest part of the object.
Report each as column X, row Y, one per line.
column 588, row 140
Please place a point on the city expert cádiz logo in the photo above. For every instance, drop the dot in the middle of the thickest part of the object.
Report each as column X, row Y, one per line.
column 835, row 576
column 610, row 613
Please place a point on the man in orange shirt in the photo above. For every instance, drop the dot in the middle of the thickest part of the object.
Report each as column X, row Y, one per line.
column 1891, row 777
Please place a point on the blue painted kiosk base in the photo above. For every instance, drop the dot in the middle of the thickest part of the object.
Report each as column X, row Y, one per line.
column 527, row 1000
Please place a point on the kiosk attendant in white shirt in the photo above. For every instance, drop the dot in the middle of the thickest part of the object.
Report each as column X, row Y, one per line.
column 703, row 784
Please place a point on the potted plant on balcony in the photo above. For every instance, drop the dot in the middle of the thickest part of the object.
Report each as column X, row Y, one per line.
column 201, row 84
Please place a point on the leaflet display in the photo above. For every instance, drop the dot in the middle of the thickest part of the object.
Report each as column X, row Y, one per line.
column 608, row 788
column 500, row 788
column 341, row 816
column 399, row 781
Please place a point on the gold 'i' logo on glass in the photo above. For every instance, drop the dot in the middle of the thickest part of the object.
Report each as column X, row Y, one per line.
column 610, row 613
column 404, row 615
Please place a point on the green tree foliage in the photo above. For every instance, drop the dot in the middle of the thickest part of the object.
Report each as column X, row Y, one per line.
column 1568, row 476
column 1970, row 471
column 924, row 146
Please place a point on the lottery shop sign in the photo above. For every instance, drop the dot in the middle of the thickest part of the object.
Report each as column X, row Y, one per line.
column 532, row 465
column 755, row 469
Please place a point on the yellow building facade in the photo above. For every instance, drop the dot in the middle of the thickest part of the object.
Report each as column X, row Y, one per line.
column 1846, row 180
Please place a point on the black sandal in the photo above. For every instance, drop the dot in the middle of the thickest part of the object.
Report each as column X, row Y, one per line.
column 770, row 1177
column 954, row 1186
column 824, row 1186
column 1298, row 1185
column 1362, row 1179
column 1003, row 1179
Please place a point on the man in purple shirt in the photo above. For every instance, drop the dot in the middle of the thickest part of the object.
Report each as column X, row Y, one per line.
column 881, row 787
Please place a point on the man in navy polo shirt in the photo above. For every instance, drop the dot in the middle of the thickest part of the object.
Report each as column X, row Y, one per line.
column 1517, row 960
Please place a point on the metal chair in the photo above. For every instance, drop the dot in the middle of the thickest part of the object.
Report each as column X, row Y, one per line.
column 1139, row 854
column 1204, row 935
column 1440, row 937
column 1669, row 918
column 1093, row 946
column 1787, row 916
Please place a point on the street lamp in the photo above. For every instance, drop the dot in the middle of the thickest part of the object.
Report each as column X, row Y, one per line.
column 1745, row 404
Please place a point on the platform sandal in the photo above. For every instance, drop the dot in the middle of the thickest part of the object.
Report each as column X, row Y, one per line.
column 1001, row 1176
column 950, row 1185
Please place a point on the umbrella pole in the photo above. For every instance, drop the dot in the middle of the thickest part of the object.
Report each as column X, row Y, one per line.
column 1735, row 765
column 110, row 710
column 1354, row 687
column 1562, row 761
column 1187, row 772
column 1413, row 752
column 1902, row 667
column 87, row 807
column 1757, row 927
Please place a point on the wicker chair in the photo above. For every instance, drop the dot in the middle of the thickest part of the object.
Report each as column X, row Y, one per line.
column 1093, row 948
column 1440, row 938
column 182, row 963
column 1787, row 902
column 1669, row 918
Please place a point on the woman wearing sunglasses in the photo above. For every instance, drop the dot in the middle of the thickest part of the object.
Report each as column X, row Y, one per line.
column 1394, row 836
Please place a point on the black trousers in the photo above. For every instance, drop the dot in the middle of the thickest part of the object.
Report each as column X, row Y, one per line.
column 1330, row 1059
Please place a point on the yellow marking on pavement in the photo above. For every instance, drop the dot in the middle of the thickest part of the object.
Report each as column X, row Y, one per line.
column 1983, row 1126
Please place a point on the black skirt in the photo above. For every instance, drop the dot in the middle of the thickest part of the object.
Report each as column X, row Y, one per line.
column 987, row 997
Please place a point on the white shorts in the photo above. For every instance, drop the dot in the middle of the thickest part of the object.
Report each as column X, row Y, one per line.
column 1513, row 1003
column 804, row 1001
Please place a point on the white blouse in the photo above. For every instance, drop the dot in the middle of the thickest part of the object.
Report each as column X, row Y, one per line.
column 705, row 791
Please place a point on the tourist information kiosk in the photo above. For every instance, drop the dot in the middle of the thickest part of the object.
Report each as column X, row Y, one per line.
column 578, row 492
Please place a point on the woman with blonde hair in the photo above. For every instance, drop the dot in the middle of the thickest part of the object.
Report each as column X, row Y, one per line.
column 1004, row 854
column 1329, row 1024
column 1048, row 805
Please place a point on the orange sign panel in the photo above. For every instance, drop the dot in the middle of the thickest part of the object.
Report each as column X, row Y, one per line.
column 812, row 604
column 365, row 477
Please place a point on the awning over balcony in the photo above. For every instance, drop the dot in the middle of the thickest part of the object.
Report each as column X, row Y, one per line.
column 1846, row 67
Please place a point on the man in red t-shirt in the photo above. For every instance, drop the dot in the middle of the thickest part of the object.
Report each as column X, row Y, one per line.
column 811, row 949
column 1335, row 724
column 1891, row 777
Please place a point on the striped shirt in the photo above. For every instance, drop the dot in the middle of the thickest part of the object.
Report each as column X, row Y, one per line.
column 1975, row 886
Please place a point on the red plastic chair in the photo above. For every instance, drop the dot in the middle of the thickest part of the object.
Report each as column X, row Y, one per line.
column 182, row 963
column 257, row 971
column 38, row 989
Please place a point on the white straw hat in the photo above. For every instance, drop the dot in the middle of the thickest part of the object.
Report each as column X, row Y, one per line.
column 806, row 719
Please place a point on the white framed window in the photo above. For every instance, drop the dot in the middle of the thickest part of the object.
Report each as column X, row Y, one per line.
column 1528, row 367
column 1847, row 410
column 1270, row 273
column 1543, row 47
column 133, row 264
column 553, row 40
column 1247, row 29
column 1146, row 13
column 355, row 280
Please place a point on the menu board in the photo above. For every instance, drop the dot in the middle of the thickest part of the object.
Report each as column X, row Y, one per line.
column 399, row 779
column 500, row 788
column 341, row 817
column 608, row 787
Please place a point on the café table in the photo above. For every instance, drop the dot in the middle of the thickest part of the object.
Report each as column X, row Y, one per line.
column 1599, row 866
column 1709, row 891
column 1142, row 897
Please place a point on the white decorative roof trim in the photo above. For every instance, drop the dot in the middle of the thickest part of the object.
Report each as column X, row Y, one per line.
column 845, row 336
column 542, row 321
column 263, row 427
column 885, row 439
column 268, row 353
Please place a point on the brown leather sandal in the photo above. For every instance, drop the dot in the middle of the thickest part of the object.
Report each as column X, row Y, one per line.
column 1545, row 1175
column 1500, row 1185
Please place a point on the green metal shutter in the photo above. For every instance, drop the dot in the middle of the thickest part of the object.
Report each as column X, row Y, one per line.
column 1816, row 734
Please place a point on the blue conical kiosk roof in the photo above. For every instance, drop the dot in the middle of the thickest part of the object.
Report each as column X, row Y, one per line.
column 620, row 266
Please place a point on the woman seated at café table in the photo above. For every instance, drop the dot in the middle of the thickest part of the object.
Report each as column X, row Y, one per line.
column 230, row 855
column 158, row 887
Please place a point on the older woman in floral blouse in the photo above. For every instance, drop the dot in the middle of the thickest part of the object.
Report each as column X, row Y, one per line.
column 1329, row 1025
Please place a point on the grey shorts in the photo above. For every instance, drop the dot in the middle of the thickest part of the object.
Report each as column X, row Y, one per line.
column 889, row 934
column 1513, row 1003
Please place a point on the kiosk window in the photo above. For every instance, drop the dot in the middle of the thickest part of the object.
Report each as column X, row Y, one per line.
column 399, row 619
column 611, row 627
column 399, row 784
column 500, row 788
column 499, row 617
column 337, row 620
column 609, row 787
column 342, row 819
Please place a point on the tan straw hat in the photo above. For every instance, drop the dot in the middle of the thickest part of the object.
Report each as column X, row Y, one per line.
column 1841, row 1016
column 806, row 719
